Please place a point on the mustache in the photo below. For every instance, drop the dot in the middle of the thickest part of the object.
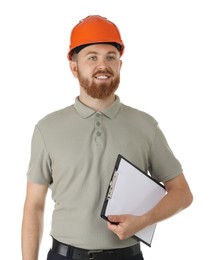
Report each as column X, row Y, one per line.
column 104, row 71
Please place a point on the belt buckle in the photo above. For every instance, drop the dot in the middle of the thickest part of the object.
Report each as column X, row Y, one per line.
column 92, row 253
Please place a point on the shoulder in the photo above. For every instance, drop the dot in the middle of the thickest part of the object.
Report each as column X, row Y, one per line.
column 56, row 118
column 138, row 116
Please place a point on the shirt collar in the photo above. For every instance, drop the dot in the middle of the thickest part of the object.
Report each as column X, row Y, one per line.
column 86, row 111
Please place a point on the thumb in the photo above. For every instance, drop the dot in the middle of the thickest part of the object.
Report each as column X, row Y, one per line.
column 116, row 219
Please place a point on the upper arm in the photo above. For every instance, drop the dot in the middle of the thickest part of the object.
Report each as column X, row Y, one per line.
column 36, row 195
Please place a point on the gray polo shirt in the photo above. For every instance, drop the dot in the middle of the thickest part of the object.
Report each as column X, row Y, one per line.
column 74, row 151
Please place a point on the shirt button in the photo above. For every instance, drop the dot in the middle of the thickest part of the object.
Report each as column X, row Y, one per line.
column 98, row 134
column 98, row 123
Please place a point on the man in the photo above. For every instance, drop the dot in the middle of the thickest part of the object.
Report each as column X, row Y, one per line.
column 74, row 152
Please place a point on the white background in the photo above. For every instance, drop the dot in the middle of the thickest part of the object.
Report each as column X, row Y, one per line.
column 168, row 72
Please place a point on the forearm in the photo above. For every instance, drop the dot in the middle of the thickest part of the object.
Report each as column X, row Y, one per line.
column 32, row 228
column 172, row 203
column 178, row 197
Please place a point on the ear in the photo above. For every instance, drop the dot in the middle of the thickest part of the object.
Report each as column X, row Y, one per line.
column 73, row 67
column 121, row 63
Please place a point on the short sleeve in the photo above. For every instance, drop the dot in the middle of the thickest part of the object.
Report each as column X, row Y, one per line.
column 39, row 170
column 163, row 163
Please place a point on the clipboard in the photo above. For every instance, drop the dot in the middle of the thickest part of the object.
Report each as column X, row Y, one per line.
column 132, row 191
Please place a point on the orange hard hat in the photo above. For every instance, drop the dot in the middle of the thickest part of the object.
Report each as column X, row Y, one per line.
column 94, row 29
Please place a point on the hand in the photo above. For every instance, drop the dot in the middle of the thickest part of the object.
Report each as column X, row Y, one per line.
column 126, row 225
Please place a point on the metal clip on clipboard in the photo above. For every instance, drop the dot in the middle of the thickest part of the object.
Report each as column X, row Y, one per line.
column 112, row 185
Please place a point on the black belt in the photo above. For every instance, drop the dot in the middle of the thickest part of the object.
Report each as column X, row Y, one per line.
column 83, row 254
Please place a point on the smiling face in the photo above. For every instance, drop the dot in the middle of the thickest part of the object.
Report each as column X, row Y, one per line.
column 97, row 68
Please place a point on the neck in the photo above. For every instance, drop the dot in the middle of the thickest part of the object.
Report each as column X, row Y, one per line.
column 94, row 103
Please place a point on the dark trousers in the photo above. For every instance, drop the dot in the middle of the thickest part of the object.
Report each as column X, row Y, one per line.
column 53, row 256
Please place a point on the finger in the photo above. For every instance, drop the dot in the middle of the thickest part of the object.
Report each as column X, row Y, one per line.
column 116, row 229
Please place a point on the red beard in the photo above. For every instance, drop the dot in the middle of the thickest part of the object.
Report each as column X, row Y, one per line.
column 100, row 90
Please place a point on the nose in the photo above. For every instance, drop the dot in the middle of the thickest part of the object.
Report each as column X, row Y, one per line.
column 101, row 64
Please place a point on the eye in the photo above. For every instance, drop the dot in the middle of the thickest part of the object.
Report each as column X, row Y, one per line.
column 110, row 58
column 92, row 58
